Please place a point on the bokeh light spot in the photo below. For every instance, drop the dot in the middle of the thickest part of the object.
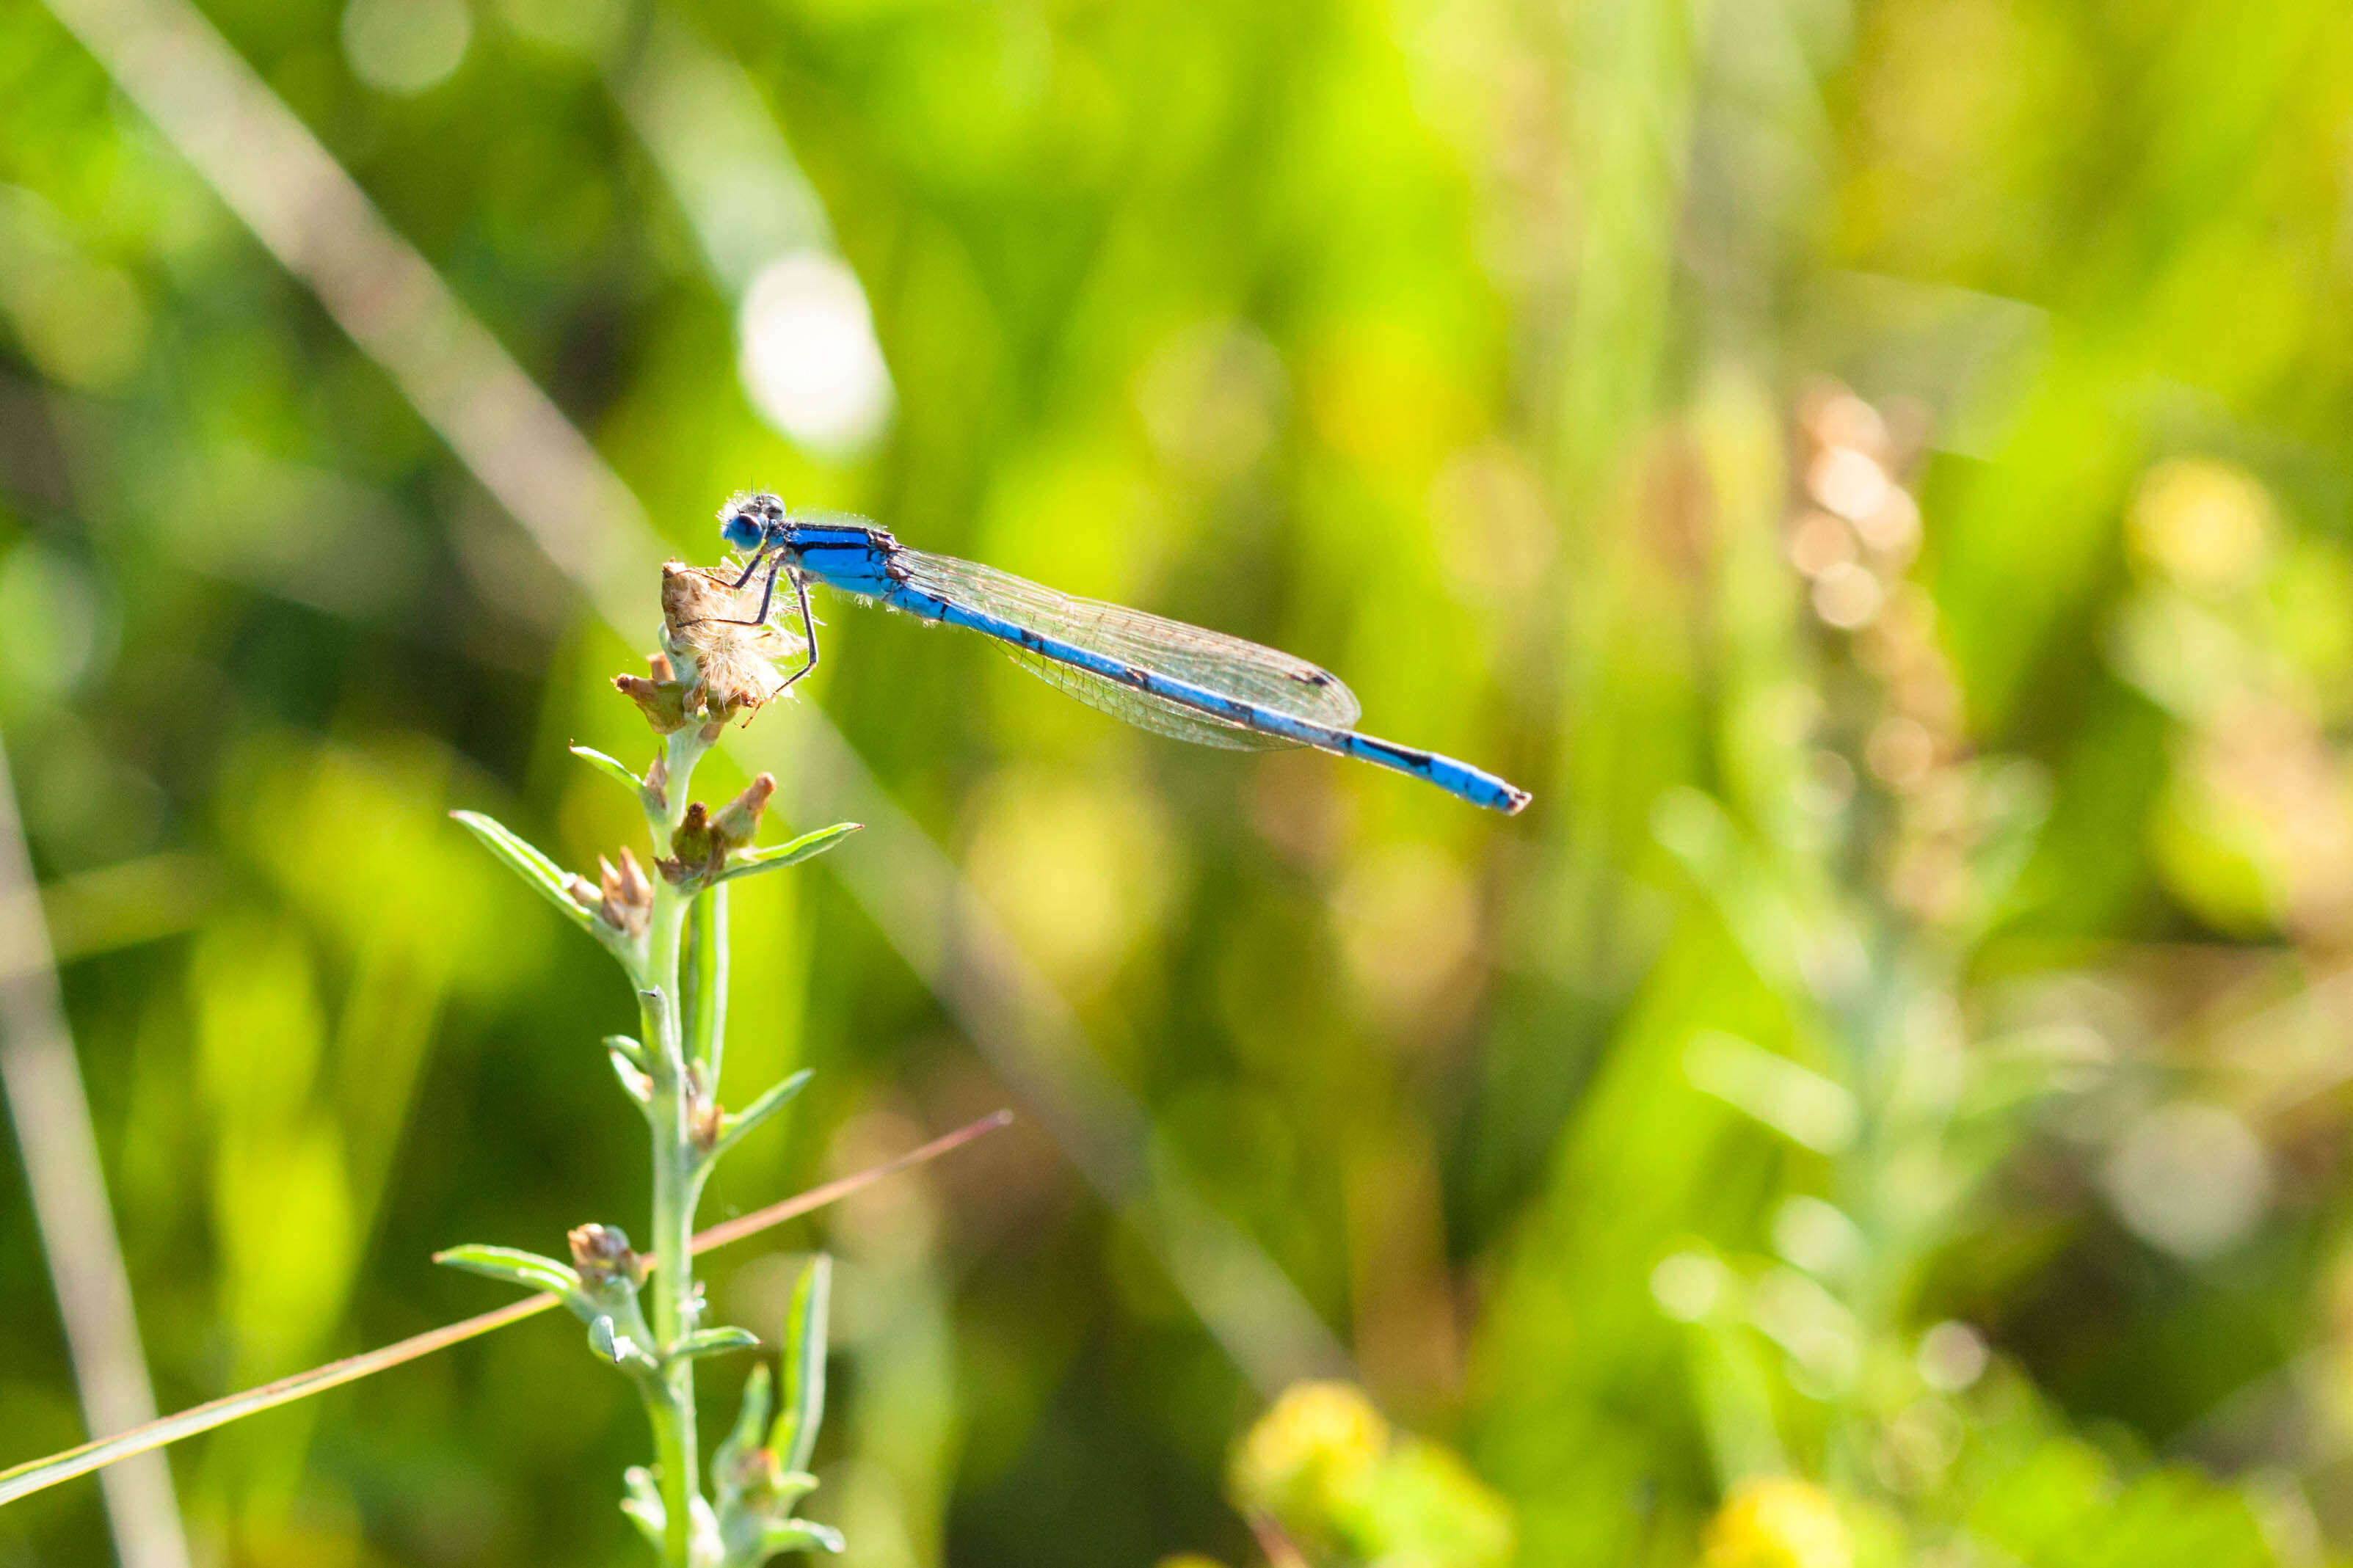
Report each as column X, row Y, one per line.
column 2189, row 1178
column 1082, row 868
column 1952, row 1356
column 55, row 624
column 406, row 46
column 1688, row 1285
column 2207, row 525
column 584, row 27
column 809, row 356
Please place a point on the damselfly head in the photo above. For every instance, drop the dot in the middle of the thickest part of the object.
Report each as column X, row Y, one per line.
column 744, row 520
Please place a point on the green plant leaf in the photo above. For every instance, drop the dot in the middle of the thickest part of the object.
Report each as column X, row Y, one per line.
column 514, row 1266
column 715, row 1341
column 529, row 864
column 800, row 1535
column 611, row 767
column 635, row 1083
column 660, row 1024
column 611, row 1342
column 794, row 1437
column 775, row 1098
column 751, row 1425
column 792, row 854
column 642, row 1501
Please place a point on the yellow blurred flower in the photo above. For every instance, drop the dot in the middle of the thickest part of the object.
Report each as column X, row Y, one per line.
column 1316, row 1447
column 1325, row 1465
column 2207, row 525
column 1778, row 1521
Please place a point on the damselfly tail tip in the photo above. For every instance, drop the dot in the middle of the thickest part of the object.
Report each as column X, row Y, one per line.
column 1515, row 800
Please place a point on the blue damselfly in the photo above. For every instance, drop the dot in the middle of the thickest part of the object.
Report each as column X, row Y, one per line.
column 1160, row 675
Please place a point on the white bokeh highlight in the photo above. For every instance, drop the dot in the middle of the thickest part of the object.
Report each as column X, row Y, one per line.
column 2190, row 1178
column 406, row 46
column 809, row 356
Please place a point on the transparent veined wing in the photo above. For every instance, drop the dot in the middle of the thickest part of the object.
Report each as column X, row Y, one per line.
column 1264, row 677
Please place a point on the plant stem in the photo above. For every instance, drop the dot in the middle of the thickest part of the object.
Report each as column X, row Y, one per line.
column 706, row 982
column 677, row 1171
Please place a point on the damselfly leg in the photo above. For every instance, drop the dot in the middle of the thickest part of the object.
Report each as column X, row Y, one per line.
column 808, row 631
column 767, row 599
column 768, row 593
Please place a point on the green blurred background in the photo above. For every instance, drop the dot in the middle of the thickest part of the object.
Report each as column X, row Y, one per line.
column 1878, row 472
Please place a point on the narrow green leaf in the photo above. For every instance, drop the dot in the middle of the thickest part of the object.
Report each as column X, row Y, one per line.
column 634, row 1081
column 791, row 853
column 527, row 863
column 514, row 1266
column 642, row 1501
column 610, row 1342
column 751, row 1425
column 630, row 1050
column 801, row 1535
column 659, row 1022
column 611, row 767
column 715, row 1341
column 794, row 1437
column 775, row 1098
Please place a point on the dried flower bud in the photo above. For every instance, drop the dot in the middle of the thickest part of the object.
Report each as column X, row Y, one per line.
column 656, row 782
column 662, row 702
column 694, row 849
column 739, row 819
column 703, row 1115
column 704, row 617
column 602, row 1255
column 625, row 897
column 701, row 842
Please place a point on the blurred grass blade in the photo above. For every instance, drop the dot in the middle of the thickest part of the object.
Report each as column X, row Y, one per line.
column 35, row 1475
column 1794, row 1101
column 527, row 863
column 794, row 1437
column 791, row 853
column 48, row 1107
